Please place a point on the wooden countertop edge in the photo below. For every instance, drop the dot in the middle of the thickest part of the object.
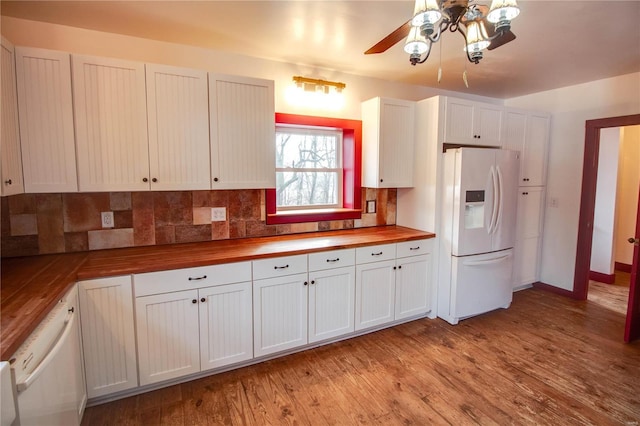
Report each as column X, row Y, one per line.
column 107, row 263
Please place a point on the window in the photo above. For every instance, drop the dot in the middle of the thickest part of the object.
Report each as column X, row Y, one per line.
column 318, row 170
column 308, row 168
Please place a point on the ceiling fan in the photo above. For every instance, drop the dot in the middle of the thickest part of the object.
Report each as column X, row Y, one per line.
column 480, row 26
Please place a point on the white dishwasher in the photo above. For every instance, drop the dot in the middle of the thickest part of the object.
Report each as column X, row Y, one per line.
column 48, row 369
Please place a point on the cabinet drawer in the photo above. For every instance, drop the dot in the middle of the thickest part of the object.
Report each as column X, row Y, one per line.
column 190, row 278
column 414, row 248
column 375, row 253
column 279, row 266
column 332, row 259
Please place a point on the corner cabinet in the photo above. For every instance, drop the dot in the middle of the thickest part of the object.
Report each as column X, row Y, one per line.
column 111, row 124
column 473, row 123
column 108, row 342
column 388, row 143
column 46, row 120
column 10, row 133
column 242, row 132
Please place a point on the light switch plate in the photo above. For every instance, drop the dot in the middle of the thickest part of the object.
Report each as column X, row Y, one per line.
column 218, row 214
column 107, row 219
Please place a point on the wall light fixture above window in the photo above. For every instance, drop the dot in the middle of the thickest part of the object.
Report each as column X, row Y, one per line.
column 316, row 93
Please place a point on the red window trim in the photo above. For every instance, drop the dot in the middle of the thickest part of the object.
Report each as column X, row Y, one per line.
column 351, row 177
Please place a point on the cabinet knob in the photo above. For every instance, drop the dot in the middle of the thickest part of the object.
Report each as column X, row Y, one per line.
column 400, row 267
column 306, row 283
column 194, row 301
column 313, row 282
column 215, row 179
column 394, row 268
column 203, row 300
column 381, row 180
column 525, row 193
column 8, row 182
column 154, row 180
column 145, row 180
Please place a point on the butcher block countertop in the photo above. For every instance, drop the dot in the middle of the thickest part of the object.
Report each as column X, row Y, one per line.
column 31, row 286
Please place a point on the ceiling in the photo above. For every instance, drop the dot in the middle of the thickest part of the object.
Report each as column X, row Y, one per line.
column 559, row 43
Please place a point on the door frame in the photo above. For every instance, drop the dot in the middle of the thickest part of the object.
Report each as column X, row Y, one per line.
column 588, row 197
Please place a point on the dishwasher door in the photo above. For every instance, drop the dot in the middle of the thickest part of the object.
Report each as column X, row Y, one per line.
column 54, row 392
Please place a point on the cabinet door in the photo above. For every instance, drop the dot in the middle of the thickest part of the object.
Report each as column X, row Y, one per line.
column 530, row 205
column 111, row 124
column 396, row 143
column 46, row 120
column 375, row 293
column 10, row 135
column 168, row 339
column 515, row 129
column 106, row 313
column 242, row 132
column 331, row 303
column 459, row 122
column 177, row 111
column 526, row 259
column 487, row 125
column 413, row 289
column 225, row 325
column 279, row 314
column 533, row 167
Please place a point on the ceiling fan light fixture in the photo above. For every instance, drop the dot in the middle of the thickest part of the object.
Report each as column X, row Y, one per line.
column 416, row 43
column 477, row 38
column 502, row 12
column 426, row 12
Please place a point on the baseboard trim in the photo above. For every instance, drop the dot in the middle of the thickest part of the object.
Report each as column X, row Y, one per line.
column 602, row 278
column 623, row 267
column 554, row 289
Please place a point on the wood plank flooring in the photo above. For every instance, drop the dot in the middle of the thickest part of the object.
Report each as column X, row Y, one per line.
column 546, row 360
column 611, row 296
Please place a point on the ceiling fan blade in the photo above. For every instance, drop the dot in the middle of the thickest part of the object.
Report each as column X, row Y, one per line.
column 400, row 33
column 503, row 38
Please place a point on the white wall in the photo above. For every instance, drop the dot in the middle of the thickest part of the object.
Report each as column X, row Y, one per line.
column 88, row 42
column 603, row 241
column 570, row 108
column 628, row 183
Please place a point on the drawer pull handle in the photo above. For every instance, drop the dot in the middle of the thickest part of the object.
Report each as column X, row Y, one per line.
column 337, row 259
column 281, row 267
column 204, row 277
column 376, row 254
column 414, row 248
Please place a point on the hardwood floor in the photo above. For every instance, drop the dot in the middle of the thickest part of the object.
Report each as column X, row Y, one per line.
column 546, row 360
column 611, row 296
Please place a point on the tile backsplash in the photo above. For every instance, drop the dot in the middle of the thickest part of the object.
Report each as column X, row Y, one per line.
column 56, row 223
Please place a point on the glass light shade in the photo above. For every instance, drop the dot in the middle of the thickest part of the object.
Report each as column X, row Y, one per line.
column 416, row 43
column 426, row 11
column 476, row 37
column 503, row 10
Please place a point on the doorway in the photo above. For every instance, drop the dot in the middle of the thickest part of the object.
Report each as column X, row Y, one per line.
column 585, row 226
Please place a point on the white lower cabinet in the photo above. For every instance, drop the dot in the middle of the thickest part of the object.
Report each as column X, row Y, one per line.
column 375, row 292
column 331, row 303
column 108, row 342
column 412, row 286
column 528, row 236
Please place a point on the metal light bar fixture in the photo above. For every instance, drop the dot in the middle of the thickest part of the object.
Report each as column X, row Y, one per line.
column 314, row 84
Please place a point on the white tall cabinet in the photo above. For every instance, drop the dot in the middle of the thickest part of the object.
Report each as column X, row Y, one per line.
column 46, row 120
column 108, row 342
column 11, row 172
column 242, row 132
column 111, row 124
column 177, row 111
column 388, row 143
column 528, row 132
column 473, row 123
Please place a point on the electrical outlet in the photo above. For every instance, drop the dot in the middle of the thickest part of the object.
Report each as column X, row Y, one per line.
column 218, row 214
column 107, row 219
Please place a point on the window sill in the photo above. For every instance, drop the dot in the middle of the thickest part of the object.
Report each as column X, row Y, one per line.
column 317, row 215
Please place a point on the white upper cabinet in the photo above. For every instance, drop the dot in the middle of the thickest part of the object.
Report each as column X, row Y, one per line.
column 177, row 111
column 111, row 124
column 473, row 123
column 528, row 132
column 11, row 159
column 242, row 132
column 46, row 120
column 388, row 143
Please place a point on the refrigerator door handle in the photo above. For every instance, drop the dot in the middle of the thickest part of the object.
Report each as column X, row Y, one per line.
column 500, row 200
column 486, row 262
column 494, row 210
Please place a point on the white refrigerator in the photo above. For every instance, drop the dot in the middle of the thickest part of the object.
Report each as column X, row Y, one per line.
column 478, row 231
